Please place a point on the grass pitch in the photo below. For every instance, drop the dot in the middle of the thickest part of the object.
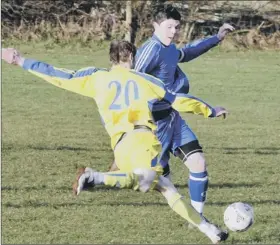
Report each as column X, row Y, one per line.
column 47, row 132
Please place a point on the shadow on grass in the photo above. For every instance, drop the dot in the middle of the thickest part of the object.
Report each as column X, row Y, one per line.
column 104, row 189
column 55, row 148
column 63, row 188
column 224, row 150
column 276, row 202
column 225, row 185
column 37, row 204
column 248, row 150
column 59, row 148
column 26, row 188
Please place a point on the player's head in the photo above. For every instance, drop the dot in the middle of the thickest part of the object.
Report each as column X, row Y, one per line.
column 122, row 53
column 166, row 21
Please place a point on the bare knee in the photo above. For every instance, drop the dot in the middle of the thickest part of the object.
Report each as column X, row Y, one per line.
column 192, row 156
column 196, row 162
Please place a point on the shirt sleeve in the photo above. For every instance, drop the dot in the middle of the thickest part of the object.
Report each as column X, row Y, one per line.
column 81, row 81
column 197, row 48
column 180, row 102
column 191, row 104
column 147, row 57
column 164, row 99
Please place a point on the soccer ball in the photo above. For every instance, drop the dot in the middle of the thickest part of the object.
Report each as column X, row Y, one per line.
column 239, row 216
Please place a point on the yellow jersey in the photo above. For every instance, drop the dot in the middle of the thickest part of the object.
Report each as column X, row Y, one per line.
column 124, row 97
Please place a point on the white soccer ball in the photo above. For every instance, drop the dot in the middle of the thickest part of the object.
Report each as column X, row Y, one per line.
column 239, row 216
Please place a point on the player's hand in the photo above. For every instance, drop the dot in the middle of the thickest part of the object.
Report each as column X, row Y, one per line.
column 12, row 56
column 220, row 111
column 224, row 30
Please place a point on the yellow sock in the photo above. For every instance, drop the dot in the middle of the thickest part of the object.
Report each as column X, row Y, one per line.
column 121, row 180
column 184, row 209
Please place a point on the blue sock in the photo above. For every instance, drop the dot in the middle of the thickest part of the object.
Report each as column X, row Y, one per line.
column 198, row 185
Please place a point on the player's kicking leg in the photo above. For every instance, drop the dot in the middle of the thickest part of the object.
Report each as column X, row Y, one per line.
column 144, row 180
column 192, row 156
column 186, row 146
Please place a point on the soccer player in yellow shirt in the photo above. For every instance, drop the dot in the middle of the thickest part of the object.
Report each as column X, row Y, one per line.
column 131, row 104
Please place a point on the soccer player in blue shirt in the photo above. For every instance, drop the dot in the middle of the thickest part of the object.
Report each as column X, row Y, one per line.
column 159, row 57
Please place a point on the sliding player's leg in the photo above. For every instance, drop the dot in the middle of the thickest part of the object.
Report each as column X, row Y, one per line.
column 144, row 177
column 139, row 179
column 136, row 157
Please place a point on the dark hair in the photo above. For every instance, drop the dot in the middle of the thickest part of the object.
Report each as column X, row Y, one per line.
column 121, row 50
column 162, row 13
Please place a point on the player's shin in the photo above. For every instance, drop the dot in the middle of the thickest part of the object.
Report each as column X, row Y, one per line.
column 198, row 180
column 121, row 180
column 198, row 185
column 139, row 179
column 177, row 202
column 118, row 179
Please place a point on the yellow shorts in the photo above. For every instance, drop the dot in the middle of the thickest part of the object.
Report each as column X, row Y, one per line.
column 138, row 149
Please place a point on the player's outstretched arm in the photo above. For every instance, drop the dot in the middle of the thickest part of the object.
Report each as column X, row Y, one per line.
column 79, row 82
column 191, row 104
column 201, row 46
column 12, row 56
column 181, row 102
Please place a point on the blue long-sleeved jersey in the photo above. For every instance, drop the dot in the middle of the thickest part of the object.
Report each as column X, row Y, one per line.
column 161, row 61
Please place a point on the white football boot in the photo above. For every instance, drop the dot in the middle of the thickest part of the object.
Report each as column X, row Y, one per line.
column 213, row 232
column 84, row 180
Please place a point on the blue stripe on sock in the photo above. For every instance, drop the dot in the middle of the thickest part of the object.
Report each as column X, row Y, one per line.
column 199, row 175
column 120, row 175
column 198, row 188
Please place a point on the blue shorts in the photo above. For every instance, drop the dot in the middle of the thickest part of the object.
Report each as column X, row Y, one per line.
column 173, row 132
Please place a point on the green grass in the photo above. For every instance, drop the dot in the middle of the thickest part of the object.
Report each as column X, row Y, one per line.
column 47, row 132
